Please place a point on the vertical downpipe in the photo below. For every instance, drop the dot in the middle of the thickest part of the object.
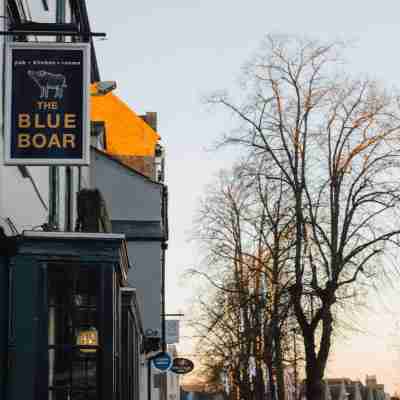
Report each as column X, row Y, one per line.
column 69, row 176
column 54, row 171
column 164, row 247
column 163, row 330
column 3, row 14
column 60, row 16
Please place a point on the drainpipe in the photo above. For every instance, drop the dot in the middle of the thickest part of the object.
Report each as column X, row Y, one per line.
column 3, row 13
column 164, row 247
column 60, row 18
column 54, row 171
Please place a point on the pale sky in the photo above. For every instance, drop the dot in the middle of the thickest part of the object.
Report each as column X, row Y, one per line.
column 165, row 55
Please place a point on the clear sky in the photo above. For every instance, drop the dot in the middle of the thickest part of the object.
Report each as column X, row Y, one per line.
column 165, row 55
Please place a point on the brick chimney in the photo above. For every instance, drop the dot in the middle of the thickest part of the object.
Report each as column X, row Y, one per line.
column 151, row 119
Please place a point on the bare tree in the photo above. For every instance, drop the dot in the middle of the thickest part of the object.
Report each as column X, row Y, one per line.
column 331, row 142
column 274, row 224
column 244, row 226
column 224, row 231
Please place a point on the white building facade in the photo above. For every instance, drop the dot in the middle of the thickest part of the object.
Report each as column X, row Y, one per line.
column 44, row 198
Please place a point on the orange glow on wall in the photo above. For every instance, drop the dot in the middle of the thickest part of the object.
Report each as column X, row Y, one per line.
column 126, row 132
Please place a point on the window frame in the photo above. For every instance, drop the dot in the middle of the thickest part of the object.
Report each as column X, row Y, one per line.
column 106, row 356
column 72, row 352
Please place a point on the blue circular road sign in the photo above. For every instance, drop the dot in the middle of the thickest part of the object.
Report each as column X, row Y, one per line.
column 162, row 361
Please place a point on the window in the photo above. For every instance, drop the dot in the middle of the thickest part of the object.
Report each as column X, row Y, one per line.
column 73, row 338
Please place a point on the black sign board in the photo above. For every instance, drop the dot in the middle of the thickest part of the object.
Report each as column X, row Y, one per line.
column 182, row 366
column 47, row 110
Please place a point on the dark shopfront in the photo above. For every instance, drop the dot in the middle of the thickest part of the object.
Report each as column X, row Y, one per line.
column 72, row 332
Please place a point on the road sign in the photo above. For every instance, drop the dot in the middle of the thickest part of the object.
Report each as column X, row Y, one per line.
column 172, row 331
column 162, row 361
column 182, row 365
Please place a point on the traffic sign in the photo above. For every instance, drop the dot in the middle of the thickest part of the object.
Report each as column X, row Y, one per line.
column 182, row 365
column 162, row 361
column 172, row 331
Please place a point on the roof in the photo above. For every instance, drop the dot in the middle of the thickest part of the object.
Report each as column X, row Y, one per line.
column 122, row 164
column 126, row 132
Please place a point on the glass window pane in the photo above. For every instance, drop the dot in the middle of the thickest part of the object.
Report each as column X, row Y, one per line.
column 60, row 371
column 72, row 331
column 84, row 372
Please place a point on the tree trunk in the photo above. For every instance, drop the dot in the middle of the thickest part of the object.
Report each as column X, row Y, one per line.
column 314, row 371
column 316, row 363
column 259, row 386
column 280, row 380
column 245, row 390
column 271, row 384
column 315, row 388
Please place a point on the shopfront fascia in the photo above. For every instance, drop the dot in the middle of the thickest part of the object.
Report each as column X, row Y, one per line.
column 68, row 310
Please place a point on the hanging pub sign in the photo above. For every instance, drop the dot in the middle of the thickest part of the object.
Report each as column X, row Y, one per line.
column 182, row 365
column 47, row 118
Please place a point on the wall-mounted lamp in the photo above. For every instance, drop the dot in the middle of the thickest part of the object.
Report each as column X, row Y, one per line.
column 88, row 337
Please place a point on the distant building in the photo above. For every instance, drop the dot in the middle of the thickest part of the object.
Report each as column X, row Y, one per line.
column 347, row 389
